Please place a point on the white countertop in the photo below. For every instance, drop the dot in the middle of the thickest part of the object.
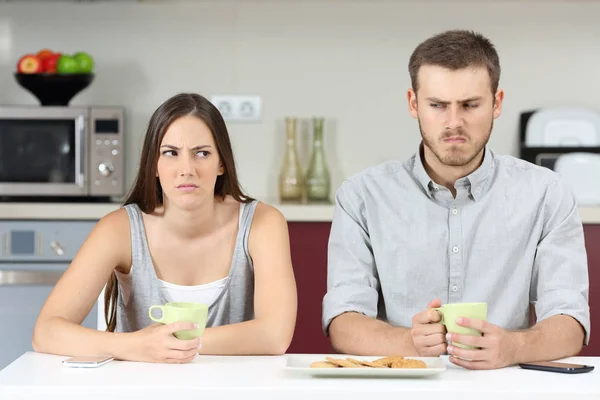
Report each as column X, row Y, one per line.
column 244, row 377
column 95, row 211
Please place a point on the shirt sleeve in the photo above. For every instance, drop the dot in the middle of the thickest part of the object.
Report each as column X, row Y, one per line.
column 560, row 272
column 352, row 282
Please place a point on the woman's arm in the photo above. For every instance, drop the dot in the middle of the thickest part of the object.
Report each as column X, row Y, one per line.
column 275, row 299
column 57, row 329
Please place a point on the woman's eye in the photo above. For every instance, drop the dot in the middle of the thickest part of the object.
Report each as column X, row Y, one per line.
column 169, row 153
column 203, row 153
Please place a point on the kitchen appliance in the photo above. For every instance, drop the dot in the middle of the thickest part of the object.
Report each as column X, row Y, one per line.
column 33, row 256
column 546, row 134
column 582, row 172
column 563, row 127
column 58, row 153
column 567, row 141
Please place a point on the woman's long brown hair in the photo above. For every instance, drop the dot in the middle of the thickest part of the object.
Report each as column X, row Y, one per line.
column 147, row 192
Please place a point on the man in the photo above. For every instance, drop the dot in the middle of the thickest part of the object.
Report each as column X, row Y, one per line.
column 457, row 223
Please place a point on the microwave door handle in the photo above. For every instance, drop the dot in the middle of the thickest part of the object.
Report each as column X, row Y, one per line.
column 80, row 151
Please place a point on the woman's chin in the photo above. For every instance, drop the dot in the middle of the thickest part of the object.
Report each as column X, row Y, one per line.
column 187, row 201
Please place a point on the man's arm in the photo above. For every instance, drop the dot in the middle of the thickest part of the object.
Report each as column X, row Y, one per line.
column 353, row 333
column 556, row 337
column 560, row 283
column 350, row 305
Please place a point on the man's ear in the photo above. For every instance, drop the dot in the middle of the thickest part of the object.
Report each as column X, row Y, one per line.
column 412, row 103
column 498, row 99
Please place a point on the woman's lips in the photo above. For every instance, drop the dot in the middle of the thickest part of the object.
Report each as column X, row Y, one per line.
column 187, row 187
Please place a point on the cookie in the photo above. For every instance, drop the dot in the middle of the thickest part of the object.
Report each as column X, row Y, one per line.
column 322, row 364
column 388, row 361
column 343, row 363
column 409, row 363
column 366, row 363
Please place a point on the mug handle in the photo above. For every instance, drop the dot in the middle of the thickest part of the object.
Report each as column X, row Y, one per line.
column 162, row 318
column 439, row 310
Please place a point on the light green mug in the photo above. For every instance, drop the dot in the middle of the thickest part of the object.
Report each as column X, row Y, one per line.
column 450, row 312
column 190, row 312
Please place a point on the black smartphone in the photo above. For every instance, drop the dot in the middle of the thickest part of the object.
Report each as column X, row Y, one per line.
column 553, row 366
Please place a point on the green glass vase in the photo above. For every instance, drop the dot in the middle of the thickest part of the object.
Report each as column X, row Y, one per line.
column 318, row 180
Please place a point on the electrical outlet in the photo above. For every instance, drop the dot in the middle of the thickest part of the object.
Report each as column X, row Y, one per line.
column 238, row 108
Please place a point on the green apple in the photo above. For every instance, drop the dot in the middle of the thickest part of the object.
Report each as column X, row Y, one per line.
column 85, row 62
column 67, row 65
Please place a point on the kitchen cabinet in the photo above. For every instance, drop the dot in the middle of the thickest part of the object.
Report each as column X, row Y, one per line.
column 309, row 255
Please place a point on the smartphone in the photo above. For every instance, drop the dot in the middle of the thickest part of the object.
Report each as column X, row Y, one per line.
column 553, row 366
column 86, row 361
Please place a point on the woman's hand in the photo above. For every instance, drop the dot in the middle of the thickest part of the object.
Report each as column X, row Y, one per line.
column 157, row 343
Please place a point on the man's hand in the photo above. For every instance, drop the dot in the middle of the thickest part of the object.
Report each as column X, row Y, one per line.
column 427, row 333
column 498, row 347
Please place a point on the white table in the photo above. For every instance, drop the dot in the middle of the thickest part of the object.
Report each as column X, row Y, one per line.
column 243, row 378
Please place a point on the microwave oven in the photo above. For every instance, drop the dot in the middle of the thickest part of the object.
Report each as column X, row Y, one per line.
column 61, row 152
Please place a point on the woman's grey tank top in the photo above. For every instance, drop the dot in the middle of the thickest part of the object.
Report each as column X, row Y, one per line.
column 234, row 304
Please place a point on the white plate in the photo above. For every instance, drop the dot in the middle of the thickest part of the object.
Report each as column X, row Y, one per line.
column 300, row 364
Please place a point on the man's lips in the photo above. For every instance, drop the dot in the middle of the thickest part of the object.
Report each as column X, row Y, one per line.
column 455, row 139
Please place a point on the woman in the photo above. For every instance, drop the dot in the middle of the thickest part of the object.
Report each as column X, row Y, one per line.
column 186, row 233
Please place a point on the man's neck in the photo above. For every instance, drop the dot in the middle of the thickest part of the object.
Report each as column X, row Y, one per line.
column 448, row 175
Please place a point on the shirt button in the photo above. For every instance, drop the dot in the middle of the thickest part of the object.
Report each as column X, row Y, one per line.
column 454, row 211
column 454, row 288
column 455, row 249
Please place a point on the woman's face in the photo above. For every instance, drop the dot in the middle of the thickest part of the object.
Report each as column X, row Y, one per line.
column 188, row 163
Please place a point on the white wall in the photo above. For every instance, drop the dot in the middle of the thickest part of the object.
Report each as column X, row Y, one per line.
column 345, row 60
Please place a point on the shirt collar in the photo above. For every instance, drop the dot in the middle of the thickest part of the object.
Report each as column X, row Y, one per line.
column 476, row 181
column 419, row 171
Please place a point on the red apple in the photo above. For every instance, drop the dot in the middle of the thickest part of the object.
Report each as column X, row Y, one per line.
column 29, row 64
column 42, row 54
column 49, row 63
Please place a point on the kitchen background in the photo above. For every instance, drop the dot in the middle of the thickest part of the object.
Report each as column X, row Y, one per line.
column 343, row 60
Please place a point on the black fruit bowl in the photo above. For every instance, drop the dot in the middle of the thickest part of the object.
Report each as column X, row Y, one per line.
column 54, row 89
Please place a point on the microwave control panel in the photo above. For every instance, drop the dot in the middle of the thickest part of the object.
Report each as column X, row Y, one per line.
column 107, row 170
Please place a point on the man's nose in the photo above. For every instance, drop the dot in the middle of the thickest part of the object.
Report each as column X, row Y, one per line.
column 455, row 118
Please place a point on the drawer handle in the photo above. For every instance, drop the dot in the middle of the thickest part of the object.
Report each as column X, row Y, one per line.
column 14, row 277
column 57, row 247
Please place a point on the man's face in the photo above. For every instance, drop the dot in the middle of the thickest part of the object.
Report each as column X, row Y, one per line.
column 456, row 111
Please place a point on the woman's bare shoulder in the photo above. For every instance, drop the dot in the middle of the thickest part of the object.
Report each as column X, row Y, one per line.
column 115, row 221
column 112, row 233
column 267, row 217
